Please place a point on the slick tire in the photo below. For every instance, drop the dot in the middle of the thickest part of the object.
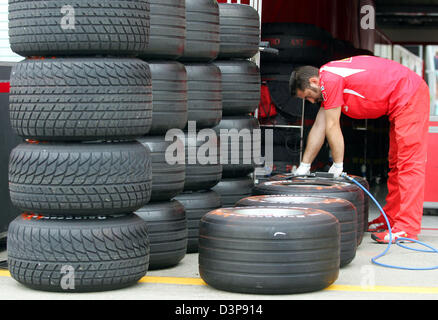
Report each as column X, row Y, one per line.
column 167, row 179
column 361, row 180
column 249, row 145
column 168, row 233
column 269, row 251
column 202, row 31
column 200, row 175
column 317, row 187
column 167, row 30
column 169, row 90
column 239, row 31
column 204, row 94
column 342, row 209
column 196, row 205
column 240, row 87
column 232, row 190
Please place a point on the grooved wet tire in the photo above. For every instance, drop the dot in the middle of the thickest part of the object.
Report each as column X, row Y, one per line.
column 200, row 175
column 196, row 205
column 80, row 178
column 93, row 254
column 239, row 31
column 167, row 179
column 202, row 31
column 240, row 87
column 232, row 190
column 317, row 187
column 249, row 145
column 167, row 230
column 297, row 42
column 342, row 209
column 169, row 90
column 168, row 30
column 269, row 251
column 204, row 94
column 80, row 98
column 78, row 27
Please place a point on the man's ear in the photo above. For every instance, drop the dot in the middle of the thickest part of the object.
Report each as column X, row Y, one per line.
column 314, row 80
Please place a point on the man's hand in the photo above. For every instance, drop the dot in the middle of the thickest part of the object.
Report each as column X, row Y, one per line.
column 303, row 169
column 337, row 169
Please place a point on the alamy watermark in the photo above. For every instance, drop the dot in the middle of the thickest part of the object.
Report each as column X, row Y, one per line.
column 68, row 20
column 368, row 20
column 228, row 146
column 68, row 278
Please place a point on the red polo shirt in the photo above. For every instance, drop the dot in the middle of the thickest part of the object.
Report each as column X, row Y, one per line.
column 367, row 87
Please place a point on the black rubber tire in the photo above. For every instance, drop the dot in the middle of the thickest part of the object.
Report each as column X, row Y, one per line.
column 366, row 200
column 167, row 230
column 277, row 71
column 105, row 253
column 239, row 31
column 232, row 190
column 169, row 90
column 246, row 161
column 81, row 98
column 204, row 94
column 297, row 43
column 342, row 209
column 317, row 187
column 202, row 31
column 196, row 205
column 167, row 31
column 116, row 27
column 201, row 176
column 167, row 179
column 240, row 87
column 80, row 179
column 361, row 180
column 269, row 251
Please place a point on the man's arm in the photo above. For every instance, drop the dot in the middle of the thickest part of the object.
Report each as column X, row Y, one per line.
column 316, row 137
column 334, row 135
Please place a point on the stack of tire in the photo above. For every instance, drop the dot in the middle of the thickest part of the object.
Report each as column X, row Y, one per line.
column 204, row 111
column 298, row 45
column 239, row 129
column 239, row 249
column 345, row 200
column 165, row 216
column 187, row 98
column 79, row 99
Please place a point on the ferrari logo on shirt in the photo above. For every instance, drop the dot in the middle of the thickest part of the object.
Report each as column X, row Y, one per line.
column 345, row 108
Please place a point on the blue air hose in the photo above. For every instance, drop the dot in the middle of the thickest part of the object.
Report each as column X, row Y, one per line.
column 374, row 260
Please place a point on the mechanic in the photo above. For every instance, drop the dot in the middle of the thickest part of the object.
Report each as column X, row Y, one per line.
column 367, row 87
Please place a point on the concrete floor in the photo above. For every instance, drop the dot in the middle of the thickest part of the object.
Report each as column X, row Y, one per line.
column 360, row 280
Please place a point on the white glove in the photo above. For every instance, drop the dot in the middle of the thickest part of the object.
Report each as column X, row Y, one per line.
column 337, row 169
column 303, row 169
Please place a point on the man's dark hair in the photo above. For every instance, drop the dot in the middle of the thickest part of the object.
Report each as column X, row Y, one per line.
column 299, row 79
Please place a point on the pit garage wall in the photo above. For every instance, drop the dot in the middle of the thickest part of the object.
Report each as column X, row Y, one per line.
column 342, row 18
